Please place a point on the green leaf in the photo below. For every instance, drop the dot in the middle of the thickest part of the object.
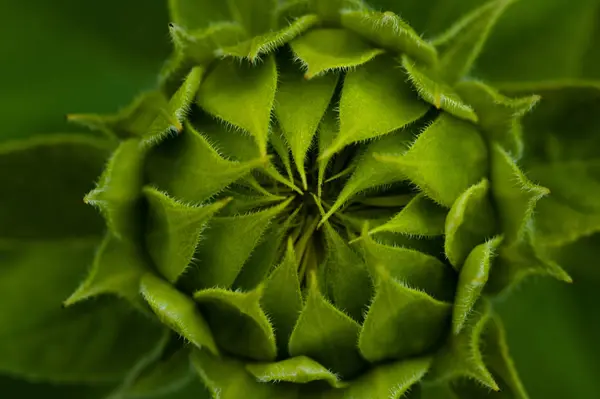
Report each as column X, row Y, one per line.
column 461, row 355
column 196, row 14
column 420, row 217
column 521, row 33
column 151, row 117
column 461, row 44
column 501, row 365
column 392, row 104
column 131, row 121
column 401, row 321
column 445, row 160
column 562, row 140
column 228, row 379
column 282, row 298
column 326, row 335
column 473, row 276
column 414, row 268
column 519, row 260
column 389, row 31
column 219, row 262
column 515, row 196
column 256, row 16
column 171, row 118
column 117, row 269
column 173, row 231
column 433, row 89
column 331, row 10
column 299, row 107
column 118, row 193
column 470, row 222
column 298, row 370
column 163, row 373
column 327, row 131
column 177, row 311
column 346, row 276
column 325, row 49
column 390, row 381
column 268, row 42
column 43, row 182
column 93, row 342
column 369, row 172
column 242, row 94
column 199, row 46
column 266, row 255
column 239, row 324
column 499, row 116
column 199, row 173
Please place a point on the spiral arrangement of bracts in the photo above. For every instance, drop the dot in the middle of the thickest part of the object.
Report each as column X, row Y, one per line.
column 322, row 206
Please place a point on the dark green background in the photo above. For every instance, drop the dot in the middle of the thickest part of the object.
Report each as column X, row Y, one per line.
column 72, row 56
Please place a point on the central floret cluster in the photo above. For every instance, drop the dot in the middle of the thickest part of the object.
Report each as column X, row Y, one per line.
column 321, row 205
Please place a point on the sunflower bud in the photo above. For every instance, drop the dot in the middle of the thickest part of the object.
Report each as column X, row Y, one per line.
column 321, row 203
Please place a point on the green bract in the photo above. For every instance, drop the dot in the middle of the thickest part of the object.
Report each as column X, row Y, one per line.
column 317, row 200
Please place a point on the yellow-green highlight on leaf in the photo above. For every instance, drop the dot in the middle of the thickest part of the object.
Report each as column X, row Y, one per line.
column 43, row 181
column 299, row 107
column 346, row 276
column 461, row 356
column 173, row 231
column 514, row 194
column 473, row 276
column 445, row 160
column 499, row 116
column 414, row 324
column 177, row 311
column 299, row 370
column 470, row 222
column 433, row 89
column 119, row 190
column 326, row 335
column 420, row 217
column 376, row 100
column 266, row 43
column 218, row 262
column 171, row 118
column 389, row 381
column 282, row 297
column 239, row 324
column 117, row 269
column 412, row 267
column 389, row 31
column 242, row 95
column 369, row 172
column 461, row 44
column 227, row 378
column 188, row 168
column 326, row 49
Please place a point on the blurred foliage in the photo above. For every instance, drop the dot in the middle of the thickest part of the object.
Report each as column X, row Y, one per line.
column 75, row 57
